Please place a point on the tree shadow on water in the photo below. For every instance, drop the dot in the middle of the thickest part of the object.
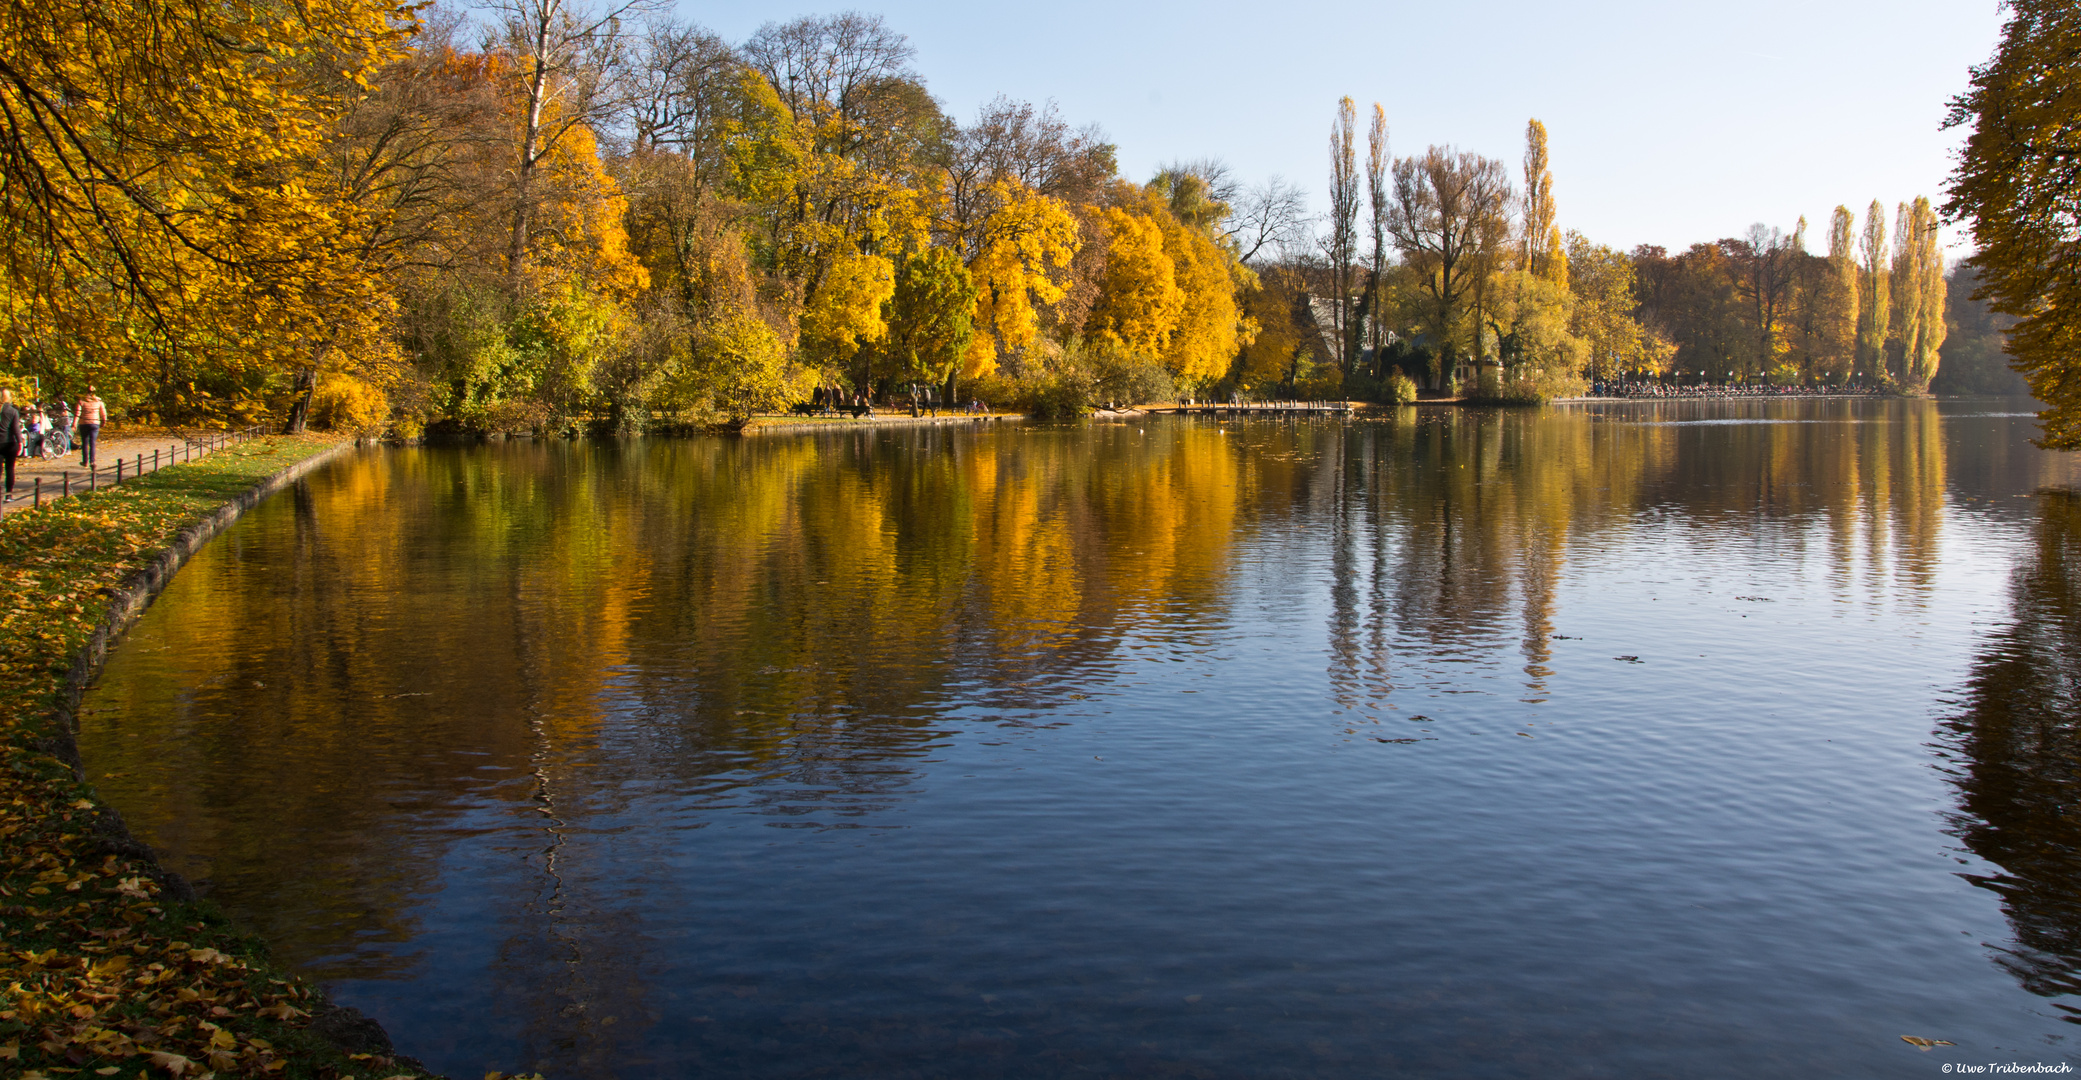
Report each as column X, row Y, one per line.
column 2016, row 749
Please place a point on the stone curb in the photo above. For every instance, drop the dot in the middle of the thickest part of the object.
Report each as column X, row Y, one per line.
column 344, row 1027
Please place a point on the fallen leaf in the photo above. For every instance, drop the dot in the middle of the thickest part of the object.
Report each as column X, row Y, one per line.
column 1925, row 1045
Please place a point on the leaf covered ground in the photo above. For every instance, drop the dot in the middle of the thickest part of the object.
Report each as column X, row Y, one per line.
column 103, row 972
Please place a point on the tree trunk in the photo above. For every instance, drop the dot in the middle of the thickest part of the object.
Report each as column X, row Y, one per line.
column 300, row 412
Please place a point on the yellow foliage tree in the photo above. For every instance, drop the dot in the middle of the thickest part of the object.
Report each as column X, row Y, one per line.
column 846, row 310
column 1139, row 301
column 167, row 227
column 1027, row 239
column 1210, row 327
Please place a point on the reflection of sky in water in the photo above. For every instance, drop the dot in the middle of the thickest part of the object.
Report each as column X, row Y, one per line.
column 1485, row 744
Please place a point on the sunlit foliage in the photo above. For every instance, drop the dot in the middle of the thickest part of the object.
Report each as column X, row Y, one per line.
column 2016, row 183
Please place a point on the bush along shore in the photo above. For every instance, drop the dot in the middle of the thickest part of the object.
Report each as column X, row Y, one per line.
column 109, row 965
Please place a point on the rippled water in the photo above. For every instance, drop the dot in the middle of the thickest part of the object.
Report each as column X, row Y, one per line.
column 1645, row 739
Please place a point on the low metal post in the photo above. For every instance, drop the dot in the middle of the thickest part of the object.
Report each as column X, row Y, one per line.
column 68, row 482
column 119, row 470
column 39, row 491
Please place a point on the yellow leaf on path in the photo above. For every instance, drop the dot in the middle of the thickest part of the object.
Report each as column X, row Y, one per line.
column 1925, row 1045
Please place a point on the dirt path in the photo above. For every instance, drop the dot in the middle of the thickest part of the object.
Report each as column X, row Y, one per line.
column 135, row 448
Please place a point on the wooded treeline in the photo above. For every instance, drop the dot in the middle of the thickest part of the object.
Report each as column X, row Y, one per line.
column 1438, row 266
column 549, row 213
column 543, row 214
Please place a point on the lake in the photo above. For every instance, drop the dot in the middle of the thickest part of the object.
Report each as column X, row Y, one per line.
column 1680, row 738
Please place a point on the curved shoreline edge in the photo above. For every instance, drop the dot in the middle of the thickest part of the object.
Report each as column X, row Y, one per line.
column 129, row 600
column 340, row 1028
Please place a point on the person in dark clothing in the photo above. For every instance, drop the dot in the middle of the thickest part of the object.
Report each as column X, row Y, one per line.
column 11, row 438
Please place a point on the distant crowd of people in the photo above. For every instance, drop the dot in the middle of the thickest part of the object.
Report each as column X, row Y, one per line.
column 1620, row 388
column 829, row 401
column 47, row 430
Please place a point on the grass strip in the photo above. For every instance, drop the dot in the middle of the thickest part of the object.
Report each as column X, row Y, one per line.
column 106, row 969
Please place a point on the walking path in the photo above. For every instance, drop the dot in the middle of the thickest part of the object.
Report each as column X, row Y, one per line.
column 134, row 447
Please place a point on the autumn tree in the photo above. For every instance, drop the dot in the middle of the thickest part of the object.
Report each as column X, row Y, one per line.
column 1015, row 254
column 1541, row 250
column 565, row 60
column 1874, row 278
column 167, row 226
column 1377, row 162
column 1837, row 298
column 931, row 319
column 2016, row 184
column 1917, row 288
column 1768, row 267
column 1341, row 245
column 1614, row 341
column 1447, row 214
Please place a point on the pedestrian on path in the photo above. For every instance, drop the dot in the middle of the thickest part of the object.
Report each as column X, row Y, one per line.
column 10, row 437
column 92, row 414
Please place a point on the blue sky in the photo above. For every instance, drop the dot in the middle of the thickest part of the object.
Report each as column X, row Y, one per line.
column 1670, row 122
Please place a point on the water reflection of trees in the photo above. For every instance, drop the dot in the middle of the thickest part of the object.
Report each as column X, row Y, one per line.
column 587, row 639
column 1458, row 524
column 780, row 625
column 2016, row 753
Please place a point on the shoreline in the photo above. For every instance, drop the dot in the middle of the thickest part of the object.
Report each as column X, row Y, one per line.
column 775, row 423
column 86, row 908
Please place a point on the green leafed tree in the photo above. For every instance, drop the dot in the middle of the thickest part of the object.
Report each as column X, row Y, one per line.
column 739, row 365
column 931, row 318
column 2016, row 183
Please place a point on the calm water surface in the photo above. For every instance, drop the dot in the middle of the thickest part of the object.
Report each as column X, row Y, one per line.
column 1634, row 740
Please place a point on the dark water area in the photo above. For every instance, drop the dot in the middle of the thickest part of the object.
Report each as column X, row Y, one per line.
column 1643, row 739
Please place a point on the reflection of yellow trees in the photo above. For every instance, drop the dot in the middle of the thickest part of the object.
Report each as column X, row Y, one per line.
column 1461, row 522
column 795, row 615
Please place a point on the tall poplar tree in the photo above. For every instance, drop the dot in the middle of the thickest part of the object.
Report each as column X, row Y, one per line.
column 1872, row 281
column 1343, row 238
column 1376, row 221
column 1919, row 293
column 1541, row 251
column 1906, row 316
column 1839, row 296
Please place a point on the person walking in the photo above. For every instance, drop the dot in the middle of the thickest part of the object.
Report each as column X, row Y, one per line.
column 92, row 414
column 10, row 438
